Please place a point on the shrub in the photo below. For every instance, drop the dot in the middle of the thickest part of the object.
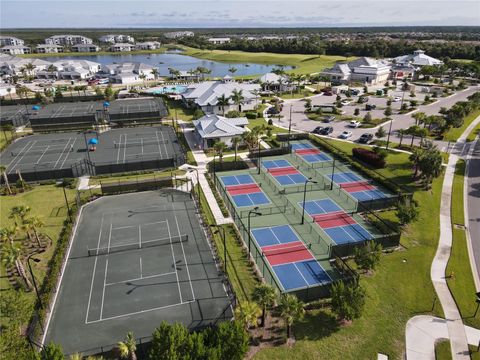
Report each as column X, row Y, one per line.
column 234, row 114
column 270, row 122
column 251, row 115
column 356, row 112
column 369, row 157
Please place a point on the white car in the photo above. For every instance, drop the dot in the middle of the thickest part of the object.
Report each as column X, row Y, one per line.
column 345, row 135
column 346, row 102
column 354, row 124
column 397, row 99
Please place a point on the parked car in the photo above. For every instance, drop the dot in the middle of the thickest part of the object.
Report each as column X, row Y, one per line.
column 354, row 124
column 365, row 138
column 328, row 118
column 362, row 99
column 328, row 93
column 345, row 135
column 346, row 102
column 317, row 130
column 354, row 92
column 92, row 82
column 326, row 130
column 397, row 99
column 369, row 107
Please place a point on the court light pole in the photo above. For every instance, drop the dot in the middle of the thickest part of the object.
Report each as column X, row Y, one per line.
column 66, row 200
column 333, row 173
column 214, row 175
column 33, row 277
column 250, row 213
column 309, row 180
column 198, row 180
column 218, row 227
column 86, row 146
column 289, row 126
column 258, row 157
column 389, row 131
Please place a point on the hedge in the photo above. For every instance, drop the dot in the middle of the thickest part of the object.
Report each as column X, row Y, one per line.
column 369, row 157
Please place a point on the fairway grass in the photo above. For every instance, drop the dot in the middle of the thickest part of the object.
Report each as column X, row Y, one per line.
column 399, row 289
column 304, row 64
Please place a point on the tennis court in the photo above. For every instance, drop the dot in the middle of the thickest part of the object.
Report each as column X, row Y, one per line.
column 284, row 172
column 342, row 228
column 292, row 262
column 310, row 154
column 357, row 187
column 244, row 191
column 136, row 259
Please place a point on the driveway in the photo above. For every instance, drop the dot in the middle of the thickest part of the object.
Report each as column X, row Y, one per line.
column 302, row 123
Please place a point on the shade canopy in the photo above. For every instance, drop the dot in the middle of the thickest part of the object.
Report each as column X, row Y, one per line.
column 93, row 141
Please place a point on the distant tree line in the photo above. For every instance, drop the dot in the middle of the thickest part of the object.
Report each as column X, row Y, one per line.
column 364, row 47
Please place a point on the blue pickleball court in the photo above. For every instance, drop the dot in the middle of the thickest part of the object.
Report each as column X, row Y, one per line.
column 322, row 206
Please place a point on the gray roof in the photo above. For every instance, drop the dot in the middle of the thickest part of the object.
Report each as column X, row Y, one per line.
column 214, row 126
column 272, row 78
column 207, row 92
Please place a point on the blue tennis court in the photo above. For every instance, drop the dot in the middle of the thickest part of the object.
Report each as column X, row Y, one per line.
column 253, row 199
column 348, row 233
column 298, row 146
column 274, row 235
column 314, row 158
column 273, row 164
column 369, row 195
column 301, row 274
column 322, row 206
column 237, row 180
column 290, row 179
column 345, row 177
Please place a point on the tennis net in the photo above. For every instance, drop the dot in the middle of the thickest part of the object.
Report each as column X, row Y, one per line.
column 281, row 169
column 286, row 249
column 141, row 142
column 137, row 246
column 49, row 150
column 242, row 186
column 332, row 216
column 354, row 184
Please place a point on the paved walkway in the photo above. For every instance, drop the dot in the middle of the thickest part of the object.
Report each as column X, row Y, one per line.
column 202, row 161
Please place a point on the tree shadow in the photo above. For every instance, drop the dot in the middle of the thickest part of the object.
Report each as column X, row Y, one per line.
column 316, row 325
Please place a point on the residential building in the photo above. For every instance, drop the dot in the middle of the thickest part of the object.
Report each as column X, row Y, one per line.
column 417, row 59
column 212, row 128
column 116, row 38
column 16, row 49
column 10, row 40
column 49, row 49
column 363, row 70
column 184, row 75
column 127, row 73
column 148, row 45
column 205, row 95
column 178, row 34
column 68, row 40
column 219, row 41
column 70, row 70
column 85, row 48
column 273, row 82
column 121, row 47
column 11, row 65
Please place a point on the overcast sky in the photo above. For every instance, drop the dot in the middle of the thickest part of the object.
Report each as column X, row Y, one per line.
column 235, row 13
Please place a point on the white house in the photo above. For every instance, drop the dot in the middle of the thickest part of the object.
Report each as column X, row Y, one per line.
column 121, row 47
column 68, row 40
column 219, row 41
column 130, row 72
column 10, row 40
column 417, row 59
column 49, row 49
column 364, row 70
column 205, row 95
column 16, row 49
column 148, row 45
column 85, row 48
column 116, row 38
column 11, row 65
column 178, row 34
column 212, row 128
column 70, row 70
column 184, row 75
column 274, row 82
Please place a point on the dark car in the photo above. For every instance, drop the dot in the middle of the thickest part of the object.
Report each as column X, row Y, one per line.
column 362, row 99
column 365, row 138
column 354, row 92
column 370, row 107
column 317, row 130
column 328, row 118
column 326, row 131
column 328, row 93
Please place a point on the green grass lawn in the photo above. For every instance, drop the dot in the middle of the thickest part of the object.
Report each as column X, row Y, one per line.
column 261, row 121
column 399, row 289
column 443, row 350
column 296, row 94
column 5, row 137
column 304, row 64
column 474, row 133
column 461, row 284
column 454, row 133
column 96, row 180
column 178, row 111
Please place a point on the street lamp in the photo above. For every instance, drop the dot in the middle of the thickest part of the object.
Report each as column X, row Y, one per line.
column 309, row 180
column 198, row 181
column 254, row 212
column 86, row 146
column 66, row 200
column 214, row 177
column 224, row 244
column 333, row 173
column 389, row 131
column 289, row 126
column 258, row 157
column 33, row 278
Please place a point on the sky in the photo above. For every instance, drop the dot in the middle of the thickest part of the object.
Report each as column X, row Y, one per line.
column 235, row 13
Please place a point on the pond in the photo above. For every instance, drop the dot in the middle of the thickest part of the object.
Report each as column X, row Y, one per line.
column 178, row 62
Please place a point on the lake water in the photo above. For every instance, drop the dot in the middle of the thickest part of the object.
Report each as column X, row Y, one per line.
column 176, row 61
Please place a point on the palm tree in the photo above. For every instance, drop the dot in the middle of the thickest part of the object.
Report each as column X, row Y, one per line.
column 9, row 91
column 10, row 257
column 19, row 212
column 419, row 117
column 143, row 77
column 238, row 98
column 223, row 101
column 291, row 309
column 264, row 295
column 3, row 170
column 235, row 141
column 28, row 68
column 173, row 72
column 232, row 69
column 34, row 223
column 256, row 93
column 7, row 234
column 415, row 158
column 155, row 73
column 128, row 347
column 219, row 148
column 248, row 312
column 401, row 133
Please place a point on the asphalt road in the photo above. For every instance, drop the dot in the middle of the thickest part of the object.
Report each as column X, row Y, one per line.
column 302, row 123
column 473, row 203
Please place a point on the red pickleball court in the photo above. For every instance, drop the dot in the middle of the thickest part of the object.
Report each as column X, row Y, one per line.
column 307, row 151
column 286, row 253
column 243, row 189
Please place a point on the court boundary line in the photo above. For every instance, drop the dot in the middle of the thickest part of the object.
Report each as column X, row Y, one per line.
column 174, row 262
column 139, row 278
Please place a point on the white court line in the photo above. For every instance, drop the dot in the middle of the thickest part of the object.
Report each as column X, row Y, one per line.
column 68, row 152
column 119, row 147
column 41, row 156
column 174, row 263
column 130, row 226
column 18, row 160
column 125, row 147
column 159, row 146
column 56, row 163
column 184, row 257
column 140, row 312
column 94, row 268
column 164, row 144
column 139, row 278
column 303, row 277
column 140, row 238
column 103, row 291
column 141, row 268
